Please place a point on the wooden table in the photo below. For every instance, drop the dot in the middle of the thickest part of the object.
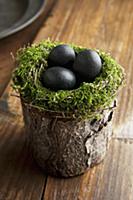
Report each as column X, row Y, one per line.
column 105, row 24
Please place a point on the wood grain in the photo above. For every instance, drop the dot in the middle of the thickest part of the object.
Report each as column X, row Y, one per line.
column 105, row 24
column 19, row 176
column 107, row 181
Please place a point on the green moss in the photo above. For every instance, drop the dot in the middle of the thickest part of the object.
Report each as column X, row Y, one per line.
column 83, row 102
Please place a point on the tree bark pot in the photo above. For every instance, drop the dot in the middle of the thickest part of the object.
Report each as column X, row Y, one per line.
column 64, row 146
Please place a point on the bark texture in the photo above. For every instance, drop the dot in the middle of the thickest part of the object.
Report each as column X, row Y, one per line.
column 64, row 146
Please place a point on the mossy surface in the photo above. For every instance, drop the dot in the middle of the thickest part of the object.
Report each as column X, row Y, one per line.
column 83, row 102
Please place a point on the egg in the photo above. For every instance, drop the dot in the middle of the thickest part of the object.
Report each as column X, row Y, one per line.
column 61, row 55
column 58, row 78
column 88, row 65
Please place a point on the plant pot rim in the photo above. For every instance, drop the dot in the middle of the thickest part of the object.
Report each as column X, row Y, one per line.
column 60, row 114
column 48, row 113
column 83, row 101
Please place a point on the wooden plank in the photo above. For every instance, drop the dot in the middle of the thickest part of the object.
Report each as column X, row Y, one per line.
column 20, row 178
column 111, row 180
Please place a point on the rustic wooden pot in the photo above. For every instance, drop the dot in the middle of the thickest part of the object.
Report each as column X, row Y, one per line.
column 63, row 146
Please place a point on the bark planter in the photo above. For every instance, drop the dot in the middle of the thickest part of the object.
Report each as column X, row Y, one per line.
column 68, row 130
column 65, row 146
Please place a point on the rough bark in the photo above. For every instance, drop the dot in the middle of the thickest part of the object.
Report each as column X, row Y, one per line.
column 64, row 146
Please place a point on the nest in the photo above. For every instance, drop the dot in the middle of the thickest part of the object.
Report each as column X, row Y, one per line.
column 84, row 102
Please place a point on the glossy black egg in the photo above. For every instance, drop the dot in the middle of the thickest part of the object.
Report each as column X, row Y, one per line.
column 58, row 78
column 61, row 55
column 88, row 65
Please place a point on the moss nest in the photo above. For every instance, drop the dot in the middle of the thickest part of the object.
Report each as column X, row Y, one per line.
column 86, row 101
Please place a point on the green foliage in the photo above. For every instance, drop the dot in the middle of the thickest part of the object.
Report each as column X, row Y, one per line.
column 83, row 102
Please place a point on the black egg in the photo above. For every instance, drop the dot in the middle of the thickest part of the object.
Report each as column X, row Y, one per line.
column 88, row 65
column 61, row 55
column 58, row 78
